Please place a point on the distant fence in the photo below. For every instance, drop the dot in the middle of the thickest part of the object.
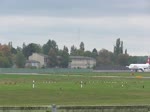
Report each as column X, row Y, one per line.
column 104, row 109
column 111, row 67
column 25, row 109
column 52, row 70
column 54, row 108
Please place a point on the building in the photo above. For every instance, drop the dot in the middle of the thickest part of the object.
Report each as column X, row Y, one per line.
column 41, row 58
column 81, row 62
column 32, row 63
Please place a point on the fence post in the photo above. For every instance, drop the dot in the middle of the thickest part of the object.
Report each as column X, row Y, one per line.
column 54, row 109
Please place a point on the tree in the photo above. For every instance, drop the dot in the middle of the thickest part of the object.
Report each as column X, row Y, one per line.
column 23, row 45
column 65, row 49
column 94, row 53
column 52, row 58
column 79, row 52
column 31, row 48
column 5, row 56
column 4, row 62
column 12, row 49
column 73, row 51
column 88, row 54
column 118, row 53
column 64, row 59
column 19, row 49
column 104, row 57
column 82, row 46
column 123, row 59
column 126, row 51
column 118, row 48
column 121, row 48
column 51, row 44
column 20, row 60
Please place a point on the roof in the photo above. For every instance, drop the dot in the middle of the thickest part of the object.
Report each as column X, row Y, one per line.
column 81, row 57
column 40, row 54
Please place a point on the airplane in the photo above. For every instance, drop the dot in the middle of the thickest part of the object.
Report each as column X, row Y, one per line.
column 141, row 67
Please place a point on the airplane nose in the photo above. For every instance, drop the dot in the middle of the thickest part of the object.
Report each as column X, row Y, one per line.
column 130, row 66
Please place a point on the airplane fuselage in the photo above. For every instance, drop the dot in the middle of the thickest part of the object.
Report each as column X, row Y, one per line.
column 142, row 67
column 136, row 67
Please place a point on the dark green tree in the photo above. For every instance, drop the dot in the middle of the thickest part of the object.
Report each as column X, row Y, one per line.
column 88, row 54
column 126, row 51
column 120, row 58
column 64, row 59
column 23, row 45
column 94, row 53
column 104, row 57
column 51, row 44
column 52, row 60
column 31, row 48
column 12, row 49
column 121, row 48
column 73, row 51
column 20, row 60
column 19, row 49
column 123, row 59
column 4, row 62
column 82, row 46
column 79, row 52
column 118, row 48
column 65, row 49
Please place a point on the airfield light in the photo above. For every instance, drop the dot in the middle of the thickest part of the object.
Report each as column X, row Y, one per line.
column 81, row 84
column 33, row 84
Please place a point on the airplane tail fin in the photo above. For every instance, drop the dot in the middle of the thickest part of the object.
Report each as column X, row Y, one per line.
column 148, row 60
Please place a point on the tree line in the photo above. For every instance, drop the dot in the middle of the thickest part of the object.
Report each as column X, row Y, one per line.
column 10, row 56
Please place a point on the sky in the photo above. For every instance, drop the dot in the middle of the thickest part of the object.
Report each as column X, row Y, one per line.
column 97, row 23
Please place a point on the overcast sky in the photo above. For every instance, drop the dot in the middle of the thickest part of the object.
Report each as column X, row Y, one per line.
column 98, row 23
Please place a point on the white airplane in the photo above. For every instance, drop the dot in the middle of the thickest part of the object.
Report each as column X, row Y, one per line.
column 141, row 67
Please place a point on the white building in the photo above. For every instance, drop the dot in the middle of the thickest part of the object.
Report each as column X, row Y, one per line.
column 81, row 62
column 32, row 63
column 41, row 58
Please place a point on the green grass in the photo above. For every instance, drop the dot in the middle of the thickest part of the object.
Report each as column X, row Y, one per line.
column 64, row 89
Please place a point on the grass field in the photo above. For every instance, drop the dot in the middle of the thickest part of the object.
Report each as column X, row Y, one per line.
column 65, row 89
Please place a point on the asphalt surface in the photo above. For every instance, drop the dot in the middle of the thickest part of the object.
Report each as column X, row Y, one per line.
column 111, row 71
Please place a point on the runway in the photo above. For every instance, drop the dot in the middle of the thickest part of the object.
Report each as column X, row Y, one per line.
column 117, row 71
column 111, row 71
